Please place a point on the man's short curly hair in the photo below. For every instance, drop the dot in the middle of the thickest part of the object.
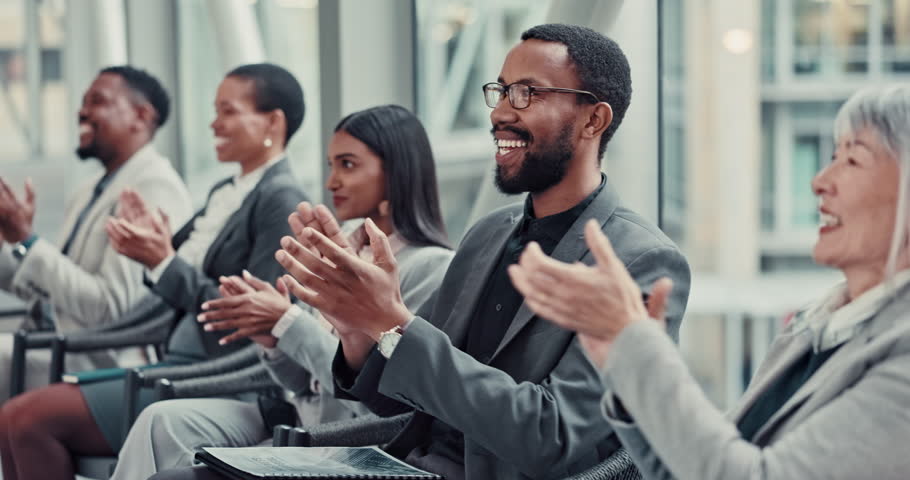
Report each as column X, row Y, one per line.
column 601, row 66
column 145, row 86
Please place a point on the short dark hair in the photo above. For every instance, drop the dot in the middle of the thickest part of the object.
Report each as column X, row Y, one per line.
column 275, row 88
column 399, row 139
column 601, row 66
column 147, row 86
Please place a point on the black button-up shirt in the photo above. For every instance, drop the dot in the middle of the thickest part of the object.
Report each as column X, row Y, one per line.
column 501, row 300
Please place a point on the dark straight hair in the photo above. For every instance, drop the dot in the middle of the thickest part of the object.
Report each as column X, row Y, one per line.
column 399, row 139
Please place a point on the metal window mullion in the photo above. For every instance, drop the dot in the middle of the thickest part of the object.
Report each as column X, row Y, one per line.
column 875, row 40
column 783, row 139
column 734, row 333
column 32, row 51
column 783, row 39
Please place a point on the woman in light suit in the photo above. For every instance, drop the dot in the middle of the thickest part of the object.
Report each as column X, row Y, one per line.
column 831, row 399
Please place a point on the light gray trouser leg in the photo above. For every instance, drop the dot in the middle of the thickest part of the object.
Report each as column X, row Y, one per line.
column 166, row 434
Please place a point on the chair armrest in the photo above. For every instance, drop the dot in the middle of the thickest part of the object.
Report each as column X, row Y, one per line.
column 24, row 340
column 233, row 361
column 250, row 379
column 618, row 466
column 13, row 312
column 152, row 332
column 356, row 432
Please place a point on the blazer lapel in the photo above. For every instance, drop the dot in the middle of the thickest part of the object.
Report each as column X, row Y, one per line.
column 456, row 326
column 786, row 349
column 884, row 320
column 106, row 204
column 242, row 212
column 571, row 248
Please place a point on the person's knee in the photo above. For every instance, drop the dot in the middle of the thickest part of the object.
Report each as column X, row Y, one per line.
column 159, row 419
column 22, row 417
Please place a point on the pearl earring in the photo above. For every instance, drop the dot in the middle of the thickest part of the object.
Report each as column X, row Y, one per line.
column 267, row 142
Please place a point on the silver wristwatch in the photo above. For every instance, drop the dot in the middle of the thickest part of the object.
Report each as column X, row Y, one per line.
column 389, row 340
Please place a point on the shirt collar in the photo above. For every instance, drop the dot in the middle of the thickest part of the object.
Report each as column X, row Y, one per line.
column 252, row 178
column 833, row 320
column 107, row 178
column 555, row 226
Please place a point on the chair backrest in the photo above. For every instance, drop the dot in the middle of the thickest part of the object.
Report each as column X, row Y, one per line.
column 618, row 466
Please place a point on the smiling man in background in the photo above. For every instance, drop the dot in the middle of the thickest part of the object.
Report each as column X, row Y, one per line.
column 82, row 278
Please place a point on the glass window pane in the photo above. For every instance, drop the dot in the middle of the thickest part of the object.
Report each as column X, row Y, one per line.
column 54, row 95
column 13, row 86
column 460, row 46
column 806, row 152
column 896, row 35
column 830, row 38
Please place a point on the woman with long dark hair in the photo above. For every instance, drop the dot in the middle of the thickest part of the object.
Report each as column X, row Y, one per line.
column 382, row 169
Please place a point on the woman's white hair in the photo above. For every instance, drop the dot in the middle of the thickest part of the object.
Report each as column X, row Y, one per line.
column 885, row 110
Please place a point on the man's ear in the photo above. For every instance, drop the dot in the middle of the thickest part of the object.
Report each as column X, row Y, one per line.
column 147, row 114
column 600, row 118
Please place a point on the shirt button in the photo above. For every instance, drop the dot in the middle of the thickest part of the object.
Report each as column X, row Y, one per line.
column 498, row 307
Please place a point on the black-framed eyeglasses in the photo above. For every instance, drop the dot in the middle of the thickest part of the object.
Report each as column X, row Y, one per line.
column 520, row 94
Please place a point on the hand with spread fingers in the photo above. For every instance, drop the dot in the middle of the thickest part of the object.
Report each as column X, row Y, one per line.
column 138, row 233
column 596, row 301
column 320, row 219
column 16, row 216
column 132, row 208
column 361, row 299
column 248, row 305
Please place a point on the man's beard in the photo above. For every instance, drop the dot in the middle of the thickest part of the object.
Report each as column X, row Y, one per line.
column 87, row 152
column 539, row 170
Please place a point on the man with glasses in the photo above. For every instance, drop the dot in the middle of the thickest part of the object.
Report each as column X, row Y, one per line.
column 497, row 391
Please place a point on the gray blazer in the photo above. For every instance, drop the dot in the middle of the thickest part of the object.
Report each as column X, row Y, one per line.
column 850, row 420
column 248, row 240
column 306, row 349
column 534, row 410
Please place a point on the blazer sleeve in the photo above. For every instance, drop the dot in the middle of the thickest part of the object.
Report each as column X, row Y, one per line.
column 93, row 298
column 558, row 419
column 363, row 385
column 860, row 434
column 185, row 287
column 312, row 347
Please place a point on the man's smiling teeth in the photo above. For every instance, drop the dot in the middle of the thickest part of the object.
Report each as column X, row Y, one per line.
column 828, row 220
column 220, row 141
column 84, row 128
column 506, row 146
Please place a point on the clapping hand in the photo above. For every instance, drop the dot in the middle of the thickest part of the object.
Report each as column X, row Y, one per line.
column 16, row 216
column 596, row 301
column 360, row 299
column 248, row 305
column 138, row 233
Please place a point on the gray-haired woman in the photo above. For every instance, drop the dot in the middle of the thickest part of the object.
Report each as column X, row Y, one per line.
column 831, row 399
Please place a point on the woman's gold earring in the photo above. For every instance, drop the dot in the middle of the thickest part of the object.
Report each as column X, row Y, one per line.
column 384, row 208
column 267, row 142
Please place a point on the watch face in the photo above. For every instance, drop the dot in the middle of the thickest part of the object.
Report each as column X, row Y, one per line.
column 387, row 343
